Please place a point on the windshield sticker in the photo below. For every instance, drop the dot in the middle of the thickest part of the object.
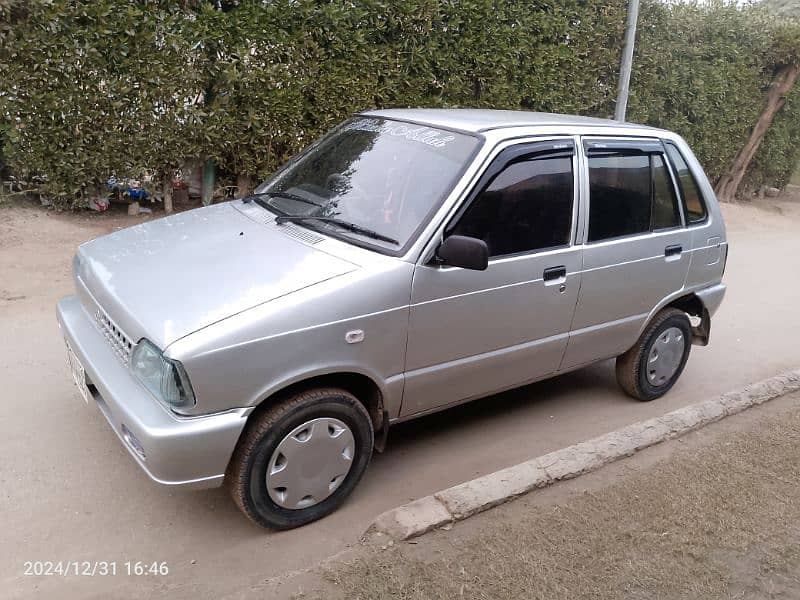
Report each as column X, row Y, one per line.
column 364, row 124
column 424, row 135
column 414, row 133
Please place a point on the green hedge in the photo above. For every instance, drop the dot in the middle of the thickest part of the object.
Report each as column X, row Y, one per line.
column 93, row 88
column 703, row 71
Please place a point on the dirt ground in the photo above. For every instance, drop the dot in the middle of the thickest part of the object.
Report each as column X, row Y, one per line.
column 713, row 515
column 71, row 492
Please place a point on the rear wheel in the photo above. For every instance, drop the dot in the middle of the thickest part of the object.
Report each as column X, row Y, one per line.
column 299, row 460
column 649, row 369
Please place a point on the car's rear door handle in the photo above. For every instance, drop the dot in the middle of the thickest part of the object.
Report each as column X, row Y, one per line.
column 554, row 273
column 673, row 250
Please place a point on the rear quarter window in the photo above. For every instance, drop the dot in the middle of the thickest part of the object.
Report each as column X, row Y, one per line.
column 694, row 205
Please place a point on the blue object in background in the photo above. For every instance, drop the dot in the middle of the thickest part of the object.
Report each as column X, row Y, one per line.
column 127, row 187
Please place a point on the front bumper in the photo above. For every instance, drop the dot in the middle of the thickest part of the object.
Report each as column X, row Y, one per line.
column 185, row 451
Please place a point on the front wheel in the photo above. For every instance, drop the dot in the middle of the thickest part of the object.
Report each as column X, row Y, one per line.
column 649, row 369
column 299, row 460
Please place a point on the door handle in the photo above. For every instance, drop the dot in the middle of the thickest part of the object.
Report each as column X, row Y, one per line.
column 554, row 273
column 673, row 250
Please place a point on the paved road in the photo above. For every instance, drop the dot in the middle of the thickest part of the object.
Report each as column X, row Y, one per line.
column 71, row 492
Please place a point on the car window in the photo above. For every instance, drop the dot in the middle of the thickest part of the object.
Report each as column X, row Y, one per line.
column 379, row 175
column 666, row 213
column 693, row 204
column 526, row 207
column 619, row 196
column 630, row 194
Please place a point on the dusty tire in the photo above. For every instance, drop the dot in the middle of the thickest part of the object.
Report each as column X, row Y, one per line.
column 246, row 476
column 633, row 366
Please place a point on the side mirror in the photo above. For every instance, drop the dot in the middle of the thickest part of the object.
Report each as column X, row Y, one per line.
column 464, row 252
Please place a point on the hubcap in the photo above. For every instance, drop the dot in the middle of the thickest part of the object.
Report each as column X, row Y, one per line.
column 665, row 356
column 310, row 463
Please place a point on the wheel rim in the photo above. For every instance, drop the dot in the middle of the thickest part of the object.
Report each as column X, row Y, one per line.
column 310, row 463
column 665, row 356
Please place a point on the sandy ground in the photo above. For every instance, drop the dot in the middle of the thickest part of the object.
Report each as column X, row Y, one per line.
column 713, row 516
column 71, row 492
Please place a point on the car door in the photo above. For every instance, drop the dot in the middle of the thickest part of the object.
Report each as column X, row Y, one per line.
column 637, row 250
column 473, row 332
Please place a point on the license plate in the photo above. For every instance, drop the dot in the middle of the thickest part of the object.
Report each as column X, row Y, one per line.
column 78, row 374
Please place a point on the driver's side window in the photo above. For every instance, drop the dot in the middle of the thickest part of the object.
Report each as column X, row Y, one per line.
column 527, row 206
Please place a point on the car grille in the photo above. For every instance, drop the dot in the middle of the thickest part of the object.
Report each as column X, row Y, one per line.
column 120, row 343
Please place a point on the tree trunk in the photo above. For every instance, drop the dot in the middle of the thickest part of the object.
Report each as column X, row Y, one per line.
column 167, row 183
column 244, row 185
column 781, row 85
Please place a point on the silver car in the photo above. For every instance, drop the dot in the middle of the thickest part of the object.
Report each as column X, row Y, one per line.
column 409, row 261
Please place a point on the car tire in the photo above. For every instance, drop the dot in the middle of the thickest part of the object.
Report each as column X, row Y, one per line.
column 649, row 369
column 337, row 424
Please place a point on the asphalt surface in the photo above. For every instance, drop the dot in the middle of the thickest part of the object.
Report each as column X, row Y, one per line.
column 70, row 492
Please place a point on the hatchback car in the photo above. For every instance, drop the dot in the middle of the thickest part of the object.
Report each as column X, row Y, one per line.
column 408, row 261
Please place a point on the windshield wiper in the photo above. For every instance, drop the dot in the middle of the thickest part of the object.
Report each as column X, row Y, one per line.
column 287, row 195
column 334, row 221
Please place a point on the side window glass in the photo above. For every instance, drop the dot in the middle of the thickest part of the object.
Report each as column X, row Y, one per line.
column 619, row 196
column 666, row 213
column 527, row 206
column 693, row 204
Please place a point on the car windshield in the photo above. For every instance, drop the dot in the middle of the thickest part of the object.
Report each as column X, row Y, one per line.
column 371, row 179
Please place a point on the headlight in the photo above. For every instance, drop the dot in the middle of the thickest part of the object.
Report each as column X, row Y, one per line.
column 165, row 378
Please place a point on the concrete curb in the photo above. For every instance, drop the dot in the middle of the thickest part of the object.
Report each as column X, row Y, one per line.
column 462, row 501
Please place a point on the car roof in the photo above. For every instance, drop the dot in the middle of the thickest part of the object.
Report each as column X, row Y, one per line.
column 476, row 120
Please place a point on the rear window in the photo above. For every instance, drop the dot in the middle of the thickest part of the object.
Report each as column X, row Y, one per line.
column 629, row 194
column 693, row 204
column 666, row 213
column 619, row 196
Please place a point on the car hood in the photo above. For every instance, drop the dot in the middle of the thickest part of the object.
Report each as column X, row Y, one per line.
column 170, row 277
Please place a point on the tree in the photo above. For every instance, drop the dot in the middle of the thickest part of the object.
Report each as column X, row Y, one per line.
column 784, row 61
